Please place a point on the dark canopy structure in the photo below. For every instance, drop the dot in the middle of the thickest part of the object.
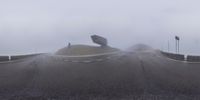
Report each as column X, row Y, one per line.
column 99, row 40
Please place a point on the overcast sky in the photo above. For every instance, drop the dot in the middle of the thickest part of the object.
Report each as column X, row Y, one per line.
column 29, row 26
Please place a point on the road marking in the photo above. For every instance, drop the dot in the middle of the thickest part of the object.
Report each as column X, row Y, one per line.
column 3, row 62
column 75, row 61
column 86, row 61
column 108, row 57
column 92, row 55
column 66, row 60
column 89, row 61
column 98, row 59
column 11, row 61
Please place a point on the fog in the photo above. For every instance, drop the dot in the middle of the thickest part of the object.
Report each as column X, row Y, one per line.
column 33, row 26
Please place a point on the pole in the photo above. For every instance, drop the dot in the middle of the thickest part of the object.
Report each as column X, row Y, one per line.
column 177, row 43
column 168, row 46
column 178, row 46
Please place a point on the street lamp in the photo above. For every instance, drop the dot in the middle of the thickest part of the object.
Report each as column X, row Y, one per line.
column 177, row 43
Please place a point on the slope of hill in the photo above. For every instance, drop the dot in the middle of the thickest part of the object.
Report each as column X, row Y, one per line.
column 85, row 50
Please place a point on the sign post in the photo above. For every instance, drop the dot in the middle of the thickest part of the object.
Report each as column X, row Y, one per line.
column 177, row 43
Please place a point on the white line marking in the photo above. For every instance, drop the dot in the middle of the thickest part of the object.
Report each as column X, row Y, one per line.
column 192, row 62
column 11, row 61
column 93, row 55
column 66, row 60
column 5, row 62
column 75, row 61
column 87, row 61
column 98, row 59
column 108, row 57
column 84, row 61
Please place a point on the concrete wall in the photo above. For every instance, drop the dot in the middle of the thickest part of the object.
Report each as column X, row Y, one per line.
column 4, row 58
column 174, row 56
column 17, row 57
column 191, row 58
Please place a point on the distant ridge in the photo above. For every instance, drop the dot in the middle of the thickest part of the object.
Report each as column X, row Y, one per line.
column 140, row 47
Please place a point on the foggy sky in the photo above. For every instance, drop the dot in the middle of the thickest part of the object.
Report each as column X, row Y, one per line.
column 31, row 26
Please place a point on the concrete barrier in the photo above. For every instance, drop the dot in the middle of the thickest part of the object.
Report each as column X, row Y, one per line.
column 191, row 58
column 4, row 58
column 174, row 56
column 18, row 57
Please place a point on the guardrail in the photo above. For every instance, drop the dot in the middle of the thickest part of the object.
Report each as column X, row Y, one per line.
column 17, row 57
column 191, row 58
column 174, row 56
column 4, row 58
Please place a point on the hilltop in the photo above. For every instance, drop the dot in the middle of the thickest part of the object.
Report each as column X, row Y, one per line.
column 84, row 50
